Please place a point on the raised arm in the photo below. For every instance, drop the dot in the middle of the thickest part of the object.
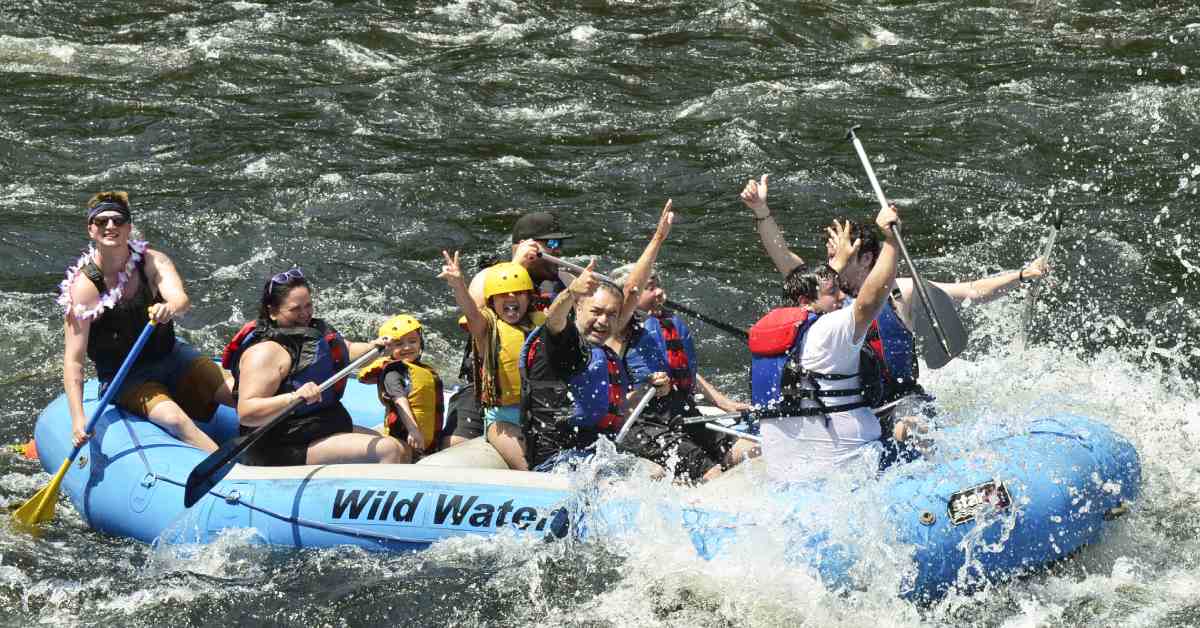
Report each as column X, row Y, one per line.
column 476, row 323
column 161, row 272
column 754, row 195
column 643, row 267
column 581, row 286
column 878, row 284
column 991, row 288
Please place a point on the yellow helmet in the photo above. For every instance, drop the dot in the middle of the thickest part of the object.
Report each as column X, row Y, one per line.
column 506, row 277
column 397, row 326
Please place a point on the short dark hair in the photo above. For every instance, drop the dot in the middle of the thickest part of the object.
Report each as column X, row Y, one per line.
column 802, row 285
column 869, row 238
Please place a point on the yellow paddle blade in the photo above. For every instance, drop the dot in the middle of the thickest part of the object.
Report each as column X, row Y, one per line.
column 40, row 507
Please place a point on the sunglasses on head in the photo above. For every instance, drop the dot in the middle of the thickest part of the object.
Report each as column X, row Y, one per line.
column 288, row 275
column 103, row 221
column 553, row 245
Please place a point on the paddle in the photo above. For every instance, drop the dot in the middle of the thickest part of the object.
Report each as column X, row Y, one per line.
column 219, row 463
column 935, row 318
column 40, row 508
column 725, row 327
column 1031, row 297
column 637, row 413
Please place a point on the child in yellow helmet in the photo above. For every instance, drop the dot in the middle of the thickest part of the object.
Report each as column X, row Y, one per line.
column 410, row 390
column 498, row 331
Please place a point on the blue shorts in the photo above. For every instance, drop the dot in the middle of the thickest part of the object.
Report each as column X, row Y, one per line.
column 501, row 414
column 184, row 376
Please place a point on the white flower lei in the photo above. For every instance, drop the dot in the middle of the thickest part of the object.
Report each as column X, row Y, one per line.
column 108, row 299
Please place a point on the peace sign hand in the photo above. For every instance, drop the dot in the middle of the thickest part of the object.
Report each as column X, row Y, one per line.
column 450, row 270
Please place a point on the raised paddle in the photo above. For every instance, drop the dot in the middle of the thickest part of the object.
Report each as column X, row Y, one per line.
column 637, row 414
column 40, row 508
column 937, row 321
column 219, row 463
column 725, row 327
column 1031, row 297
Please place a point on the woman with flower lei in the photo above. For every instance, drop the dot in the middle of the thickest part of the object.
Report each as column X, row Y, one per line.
column 108, row 296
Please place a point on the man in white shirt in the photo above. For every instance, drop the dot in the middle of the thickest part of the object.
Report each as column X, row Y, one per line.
column 799, row 446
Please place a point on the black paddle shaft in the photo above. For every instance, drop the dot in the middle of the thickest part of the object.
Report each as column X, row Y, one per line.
column 218, row 464
column 922, row 292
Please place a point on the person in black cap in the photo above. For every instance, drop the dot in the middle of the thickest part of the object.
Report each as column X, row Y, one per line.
column 532, row 234
column 116, row 287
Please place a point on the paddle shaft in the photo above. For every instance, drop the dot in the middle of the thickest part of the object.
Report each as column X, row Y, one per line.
column 1031, row 298
column 732, row 432
column 212, row 469
column 257, row 434
column 637, row 413
column 115, row 385
column 920, row 285
column 40, row 507
column 725, row 327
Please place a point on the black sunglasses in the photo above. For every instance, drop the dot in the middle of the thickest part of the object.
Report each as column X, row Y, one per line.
column 103, row 221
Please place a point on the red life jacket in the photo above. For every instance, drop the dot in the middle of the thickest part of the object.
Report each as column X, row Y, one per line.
column 680, row 370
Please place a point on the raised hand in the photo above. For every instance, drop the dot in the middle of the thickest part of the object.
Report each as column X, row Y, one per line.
column 527, row 253
column 664, row 222
column 450, row 269
column 754, row 195
column 887, row 217
column 1037, row 268
column 839, row 246
column 586, row 283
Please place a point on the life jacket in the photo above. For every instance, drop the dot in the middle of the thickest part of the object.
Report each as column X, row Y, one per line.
column 590, row 400
column 779, row 384
column 317, row 352
column 113, row 333
column 897, row 352
column 504, row 363
column 424, row 397
column 664, row 345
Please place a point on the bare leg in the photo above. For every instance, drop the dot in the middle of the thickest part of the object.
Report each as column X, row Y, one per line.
column 361, row 445
column 168, row 415
column 509, row 442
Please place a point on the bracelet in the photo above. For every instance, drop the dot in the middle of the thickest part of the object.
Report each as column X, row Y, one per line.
column 758, row 220
column 1021, row 277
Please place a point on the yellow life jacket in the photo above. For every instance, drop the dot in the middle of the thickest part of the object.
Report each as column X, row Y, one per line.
column 424, row 397
column 503, row 388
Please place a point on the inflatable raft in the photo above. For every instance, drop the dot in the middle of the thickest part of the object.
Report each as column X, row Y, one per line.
column 1020, row 501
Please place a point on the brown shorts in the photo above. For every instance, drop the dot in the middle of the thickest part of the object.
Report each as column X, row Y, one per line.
column 195, row 392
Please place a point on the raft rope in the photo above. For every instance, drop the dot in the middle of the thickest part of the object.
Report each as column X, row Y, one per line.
column 233, row 498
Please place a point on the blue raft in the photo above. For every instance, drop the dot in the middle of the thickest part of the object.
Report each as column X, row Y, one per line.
column 984, row 515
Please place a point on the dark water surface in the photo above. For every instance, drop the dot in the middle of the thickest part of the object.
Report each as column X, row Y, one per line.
column 359, row 139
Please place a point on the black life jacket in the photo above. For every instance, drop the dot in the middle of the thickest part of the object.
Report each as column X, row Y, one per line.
column 116, row 329
column 317, row 352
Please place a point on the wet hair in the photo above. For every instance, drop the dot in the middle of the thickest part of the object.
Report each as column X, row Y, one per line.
column 869, row 237
column 274, row 293
column 802, row 285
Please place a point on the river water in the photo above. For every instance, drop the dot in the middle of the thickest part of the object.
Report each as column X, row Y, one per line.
column 359, row 139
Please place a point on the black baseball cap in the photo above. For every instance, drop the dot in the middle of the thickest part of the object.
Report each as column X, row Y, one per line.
column 538, row 226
